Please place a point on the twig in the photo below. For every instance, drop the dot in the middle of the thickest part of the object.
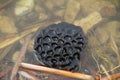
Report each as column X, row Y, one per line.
column 115, row 48
column 22, row 53
column 56, row 71
column 97, row 65
column 27, row 31
column 108, row 76
column 113, row 69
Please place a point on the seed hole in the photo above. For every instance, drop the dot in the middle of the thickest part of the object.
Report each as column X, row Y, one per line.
column 79, row 39
column 53, row 60
column 55, row 38
column 78, row 49
column 67, row 38
column 80, row 44
column 39, row 40
column 58, row 49
column 48, row 58
column 61, row 41
column 56, row 56
column 70, row 58
column 61, row 59
column 50, row 52
column 52, row 32
column 66, row 55
column 67, row 44
column 74, row 42
column 47, row 39
column 54, row 45
column 43, row 54
column 39, row 48
column 76, row 55
column 46, row 46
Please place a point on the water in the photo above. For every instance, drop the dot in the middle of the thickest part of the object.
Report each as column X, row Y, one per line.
column 100, row 21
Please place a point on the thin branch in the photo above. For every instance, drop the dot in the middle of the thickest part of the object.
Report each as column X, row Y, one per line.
column 22, row 53
column 57, row 71
column 113, row 69
column 107, row 74
column 28, row 30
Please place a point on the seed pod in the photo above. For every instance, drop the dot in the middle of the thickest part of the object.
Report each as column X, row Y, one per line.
column 60, row 46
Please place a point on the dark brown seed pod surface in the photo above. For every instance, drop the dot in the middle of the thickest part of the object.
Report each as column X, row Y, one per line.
column 60, row 46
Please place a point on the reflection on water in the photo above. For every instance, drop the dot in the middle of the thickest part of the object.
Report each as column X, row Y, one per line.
column 100, row 21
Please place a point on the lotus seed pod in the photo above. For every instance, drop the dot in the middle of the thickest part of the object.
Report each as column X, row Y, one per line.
column 60, row 46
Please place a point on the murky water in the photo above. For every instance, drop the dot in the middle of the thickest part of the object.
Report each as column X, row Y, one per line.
column 100, row 21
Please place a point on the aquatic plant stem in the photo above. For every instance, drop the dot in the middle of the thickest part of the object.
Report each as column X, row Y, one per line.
column 57, row 71
column 20, row 57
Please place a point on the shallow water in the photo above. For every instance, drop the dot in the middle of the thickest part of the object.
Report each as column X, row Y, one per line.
column 100, row 21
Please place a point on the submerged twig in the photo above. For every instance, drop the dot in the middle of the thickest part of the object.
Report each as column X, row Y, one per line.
column 113, row 68
column 108, row 76
column 67, row 73
column 31, row 29
column 115, row 48
column 22, row 53
column 97, row 65
column 57, row 71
